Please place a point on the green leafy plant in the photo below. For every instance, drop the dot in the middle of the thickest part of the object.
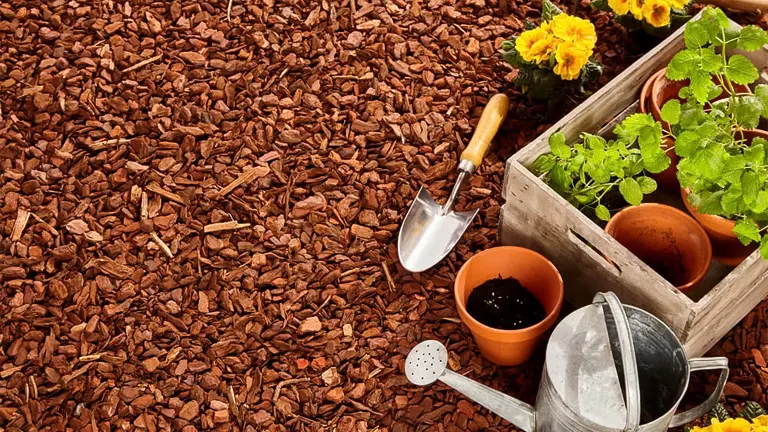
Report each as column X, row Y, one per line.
column 589, row 171
column 705, row 62
column 725, row 171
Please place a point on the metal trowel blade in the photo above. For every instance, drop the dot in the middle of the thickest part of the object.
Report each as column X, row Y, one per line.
column 427, row 235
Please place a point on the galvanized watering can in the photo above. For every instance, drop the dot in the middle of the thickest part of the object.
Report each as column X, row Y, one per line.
column 609, row 367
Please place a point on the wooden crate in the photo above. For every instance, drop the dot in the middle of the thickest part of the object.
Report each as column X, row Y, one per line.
column 535, row 216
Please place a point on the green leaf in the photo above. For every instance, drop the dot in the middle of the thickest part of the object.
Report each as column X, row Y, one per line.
column 761, row 203
column 731, row 200
column 747, row 231
column 630, row 127
column 732, row 169
column 631, row 191
column 747, row 110
column 751, row 38
column 761, row 92
column 708, row 161
column 755, row 154
column 719, row 412
column 711, row 203
column 549, row 10
column 696, row 35
column 602, row 212
column 601, row 5
column 750, row 186
column 647, row 184
column 682, row 64
column 710, row 61
column 561, row 181
column 740, row 70
column 687, row 143
column 764, row 247
column 543, row 164
column 701, row 83
column 751, row 410
column 656, row 162
column 557, row 145
column 670, row 112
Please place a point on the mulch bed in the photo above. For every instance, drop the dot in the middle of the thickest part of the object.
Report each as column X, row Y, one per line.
column 199, row 208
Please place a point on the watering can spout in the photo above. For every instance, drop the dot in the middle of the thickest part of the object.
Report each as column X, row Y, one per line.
column 428, row 362
column 514, row 411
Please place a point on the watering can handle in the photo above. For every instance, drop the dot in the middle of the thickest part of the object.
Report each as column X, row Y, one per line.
column 628, row 360
column 699, row 364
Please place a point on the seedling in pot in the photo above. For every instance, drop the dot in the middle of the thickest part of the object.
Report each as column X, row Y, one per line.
column 723, row 168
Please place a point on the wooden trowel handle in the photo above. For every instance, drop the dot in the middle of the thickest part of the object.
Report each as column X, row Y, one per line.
column 741, row 5
column 490, row 121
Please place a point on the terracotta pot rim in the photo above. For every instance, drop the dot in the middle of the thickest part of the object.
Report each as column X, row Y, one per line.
column 523, row 334
column 695, row 225
column 645, row 92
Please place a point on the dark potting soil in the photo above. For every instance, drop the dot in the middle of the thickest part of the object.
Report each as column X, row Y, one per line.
column 505, row 304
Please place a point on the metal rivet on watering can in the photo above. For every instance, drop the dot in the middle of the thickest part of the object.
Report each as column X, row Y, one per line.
column 608, row 368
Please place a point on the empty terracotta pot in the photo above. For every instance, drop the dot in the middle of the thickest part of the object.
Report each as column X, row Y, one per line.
column 726, row 246
column 669, row 241
column 536, row 274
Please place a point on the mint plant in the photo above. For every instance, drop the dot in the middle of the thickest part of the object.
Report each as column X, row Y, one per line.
column 586, row 173
column 726, row 173
column 704, row 61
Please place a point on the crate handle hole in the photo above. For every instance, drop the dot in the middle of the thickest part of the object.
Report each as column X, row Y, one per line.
column 592, row 251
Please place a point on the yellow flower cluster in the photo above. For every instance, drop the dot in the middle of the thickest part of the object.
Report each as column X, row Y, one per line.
column 758, row 424
column 570, row 39
column 654, row 12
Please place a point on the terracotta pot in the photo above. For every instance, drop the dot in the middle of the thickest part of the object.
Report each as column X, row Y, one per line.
column 666, row 239
column 726, row 246
column 535, row 273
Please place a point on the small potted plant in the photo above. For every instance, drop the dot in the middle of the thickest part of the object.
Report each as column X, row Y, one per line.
column 553, row 59
column 703, row 70
column 722, row 168
column 598, row 175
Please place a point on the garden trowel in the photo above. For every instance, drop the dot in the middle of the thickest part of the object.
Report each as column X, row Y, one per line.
column 430, row 231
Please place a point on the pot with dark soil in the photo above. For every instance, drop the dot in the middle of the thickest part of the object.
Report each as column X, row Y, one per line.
column 508, row 297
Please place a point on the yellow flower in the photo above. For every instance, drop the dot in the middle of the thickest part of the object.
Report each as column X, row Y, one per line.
column 620, row 7
column 526, row 43
column 636, row 7
column 656, row 12
column 678, row 4
column 731, row 425
column 543, row 49
column 571, row 57
column 699, row 429
column 761, row 420
column 574, row 29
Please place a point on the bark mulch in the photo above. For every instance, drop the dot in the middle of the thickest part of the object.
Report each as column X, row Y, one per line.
column 199, row 203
